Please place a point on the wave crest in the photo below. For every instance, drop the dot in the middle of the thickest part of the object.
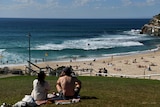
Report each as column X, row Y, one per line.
column 92, row 43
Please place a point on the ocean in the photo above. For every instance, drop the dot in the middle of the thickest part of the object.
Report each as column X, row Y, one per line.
column 67, row 39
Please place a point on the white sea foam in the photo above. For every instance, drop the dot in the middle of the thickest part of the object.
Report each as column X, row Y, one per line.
column 93, row 43
column 8, row 58
column 133, row 32
column 49, row 47
column 2, row 50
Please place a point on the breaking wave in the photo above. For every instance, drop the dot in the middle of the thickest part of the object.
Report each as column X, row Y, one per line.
column 103, row 42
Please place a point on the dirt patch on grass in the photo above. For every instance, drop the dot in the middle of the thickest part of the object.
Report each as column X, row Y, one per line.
column 6, row 75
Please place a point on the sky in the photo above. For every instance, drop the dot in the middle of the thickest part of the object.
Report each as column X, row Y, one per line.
column 79, row 8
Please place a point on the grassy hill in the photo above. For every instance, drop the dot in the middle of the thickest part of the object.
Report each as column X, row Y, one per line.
column 96, row 91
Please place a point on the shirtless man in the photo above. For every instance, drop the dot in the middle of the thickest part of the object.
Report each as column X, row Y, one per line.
column 67, row 85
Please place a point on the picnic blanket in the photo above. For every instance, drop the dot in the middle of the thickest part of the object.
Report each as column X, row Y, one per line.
column 55, row 98
column 58, row 102
column 30, row 102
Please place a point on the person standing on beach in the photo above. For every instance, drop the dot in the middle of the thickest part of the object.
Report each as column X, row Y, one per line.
column 67, row 85
column 40, row 87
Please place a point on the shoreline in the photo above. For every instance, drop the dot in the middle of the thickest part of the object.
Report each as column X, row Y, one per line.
column 85, row 59
column 118, row 65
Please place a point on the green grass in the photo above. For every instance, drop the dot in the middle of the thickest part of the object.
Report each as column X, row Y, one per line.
column 96, row 91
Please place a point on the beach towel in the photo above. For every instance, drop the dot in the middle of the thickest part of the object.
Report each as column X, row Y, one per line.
column 58, row 102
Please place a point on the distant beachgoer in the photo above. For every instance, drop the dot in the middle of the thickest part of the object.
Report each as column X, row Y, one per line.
column 126, row 62
column 105, row 70
column 149, row 68
column 40, row 87
column 71, row 60
column 67, row 85
column 36, row 61
column 112, row 58
column 134, row 61
column 100, row 71
column 110, row 64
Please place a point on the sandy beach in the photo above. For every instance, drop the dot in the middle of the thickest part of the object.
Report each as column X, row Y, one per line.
column 141, row 65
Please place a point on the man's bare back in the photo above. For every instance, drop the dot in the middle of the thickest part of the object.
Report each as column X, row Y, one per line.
column 67, row 84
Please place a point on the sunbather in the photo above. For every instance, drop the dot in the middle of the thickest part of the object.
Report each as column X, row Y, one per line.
column 67, row 85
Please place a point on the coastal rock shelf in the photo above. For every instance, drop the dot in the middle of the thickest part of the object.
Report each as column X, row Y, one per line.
column 153, row 27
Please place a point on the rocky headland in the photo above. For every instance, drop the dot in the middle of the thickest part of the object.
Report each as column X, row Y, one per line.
column 153, row 27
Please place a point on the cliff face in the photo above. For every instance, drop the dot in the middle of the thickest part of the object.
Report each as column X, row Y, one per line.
column 153, row 27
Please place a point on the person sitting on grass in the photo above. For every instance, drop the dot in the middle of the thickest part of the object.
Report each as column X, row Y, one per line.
column 67, row 85
column 40, row 88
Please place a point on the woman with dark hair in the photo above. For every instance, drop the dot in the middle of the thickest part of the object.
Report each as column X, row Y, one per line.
column 40, row 87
